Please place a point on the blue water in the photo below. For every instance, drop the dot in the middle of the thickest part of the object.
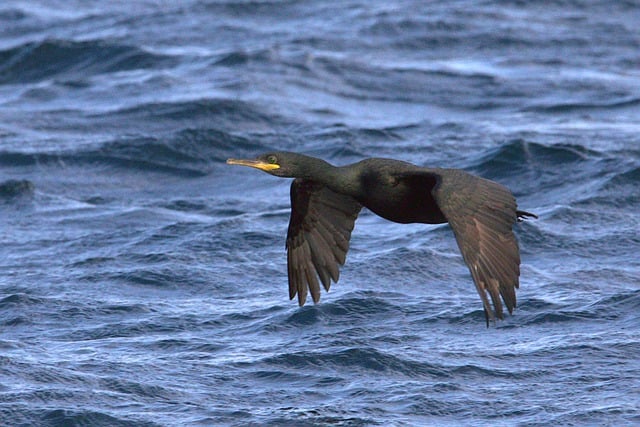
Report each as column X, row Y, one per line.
column 143, row 281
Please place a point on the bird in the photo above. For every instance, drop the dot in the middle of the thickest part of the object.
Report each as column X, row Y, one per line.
column 326, row 201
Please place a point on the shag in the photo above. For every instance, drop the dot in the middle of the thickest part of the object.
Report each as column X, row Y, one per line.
column 326, row 200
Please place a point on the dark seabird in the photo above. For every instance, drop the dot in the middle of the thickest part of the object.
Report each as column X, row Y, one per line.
column 326, row 200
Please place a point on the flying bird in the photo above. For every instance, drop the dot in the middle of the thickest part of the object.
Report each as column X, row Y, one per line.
column 326, row 200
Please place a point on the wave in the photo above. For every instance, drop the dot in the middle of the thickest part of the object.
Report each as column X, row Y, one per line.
column 620, row 306
column 621, row 190
column 54, row 58
column 188, row 153
column 225, row 114
column 616, row 305
column 344, row 309
column 567, row 107
column 64, row 417
column 521, row 153
column 12, row 15
column 548, row 173
column 358, row 358
column 12, row 189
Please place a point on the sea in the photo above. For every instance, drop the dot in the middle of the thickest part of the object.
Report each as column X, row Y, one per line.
column 143, row 281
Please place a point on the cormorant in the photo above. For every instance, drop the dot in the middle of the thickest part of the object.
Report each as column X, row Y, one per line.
column 326, row 200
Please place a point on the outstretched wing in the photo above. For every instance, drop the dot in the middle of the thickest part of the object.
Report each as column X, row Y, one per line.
column 481, row 214
column 318, row 237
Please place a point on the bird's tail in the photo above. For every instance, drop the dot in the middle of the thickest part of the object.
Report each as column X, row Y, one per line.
column 522, row 215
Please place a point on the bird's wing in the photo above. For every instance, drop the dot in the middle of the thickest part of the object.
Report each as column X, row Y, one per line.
column 318, row 237
column 481, row 214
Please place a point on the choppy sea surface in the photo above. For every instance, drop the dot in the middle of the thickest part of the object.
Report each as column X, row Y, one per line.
column 143, row 281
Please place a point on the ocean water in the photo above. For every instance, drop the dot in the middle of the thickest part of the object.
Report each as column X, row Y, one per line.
column 143, row 281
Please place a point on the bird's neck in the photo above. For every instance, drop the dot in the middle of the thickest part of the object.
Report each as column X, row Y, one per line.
column 341, row 179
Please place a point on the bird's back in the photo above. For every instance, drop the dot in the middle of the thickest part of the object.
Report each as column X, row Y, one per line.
column 398, row 191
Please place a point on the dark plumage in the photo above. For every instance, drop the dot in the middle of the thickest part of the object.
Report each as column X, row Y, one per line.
column 326, row 200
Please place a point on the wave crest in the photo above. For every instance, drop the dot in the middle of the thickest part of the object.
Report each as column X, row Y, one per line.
column 37, row 61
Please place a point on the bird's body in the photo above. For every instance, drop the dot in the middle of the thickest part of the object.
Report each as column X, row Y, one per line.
column 326, row 200
column 387, row 188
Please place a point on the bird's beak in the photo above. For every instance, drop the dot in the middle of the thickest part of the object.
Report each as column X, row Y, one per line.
column 258, row 164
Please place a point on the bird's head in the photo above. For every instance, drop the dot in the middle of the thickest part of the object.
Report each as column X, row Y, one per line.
column 283, row 164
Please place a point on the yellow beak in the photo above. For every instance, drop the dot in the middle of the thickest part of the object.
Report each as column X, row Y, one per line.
column 258, row 164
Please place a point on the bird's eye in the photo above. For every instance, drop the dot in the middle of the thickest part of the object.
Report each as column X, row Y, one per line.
column 272, row 159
